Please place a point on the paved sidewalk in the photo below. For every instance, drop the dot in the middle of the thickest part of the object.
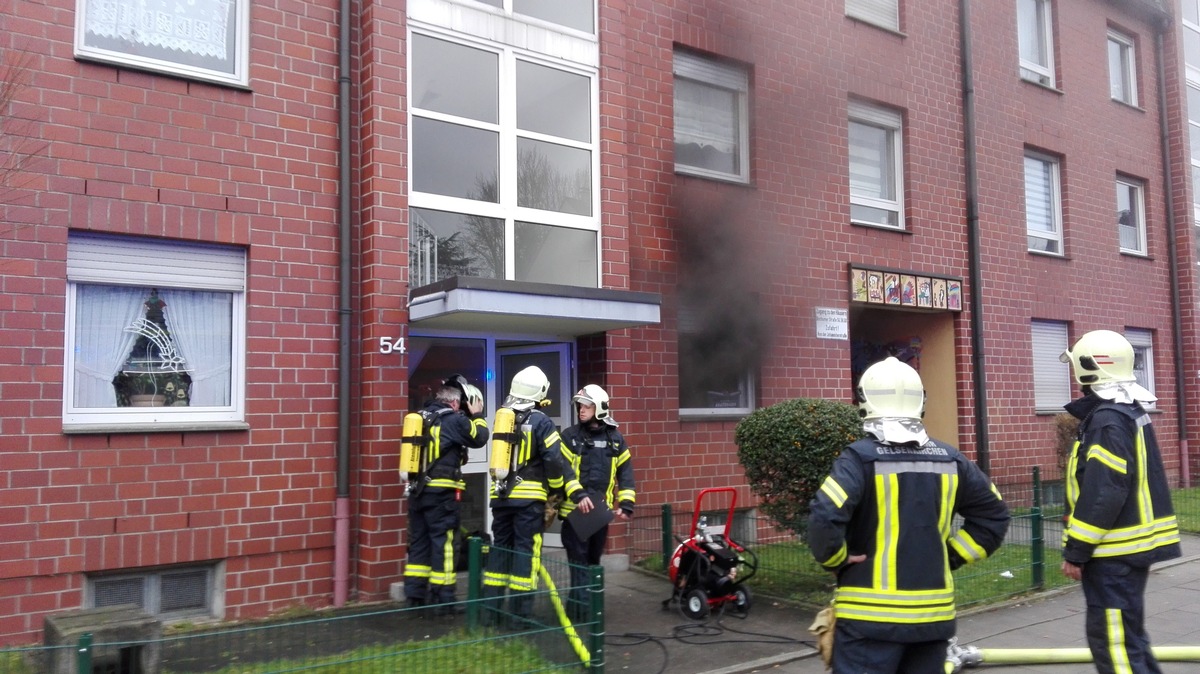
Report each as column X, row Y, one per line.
column 644, row 639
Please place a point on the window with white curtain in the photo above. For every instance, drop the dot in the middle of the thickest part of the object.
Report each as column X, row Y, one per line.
column 207, row 40
column 882, row 13
column 1043, row 204
column 1035, row 41
column 1051, row 376
column 875, row 140
column 155, row 334
column 1131, row 216
column 1142, row 342
column 712, row 126
column 1122, row 68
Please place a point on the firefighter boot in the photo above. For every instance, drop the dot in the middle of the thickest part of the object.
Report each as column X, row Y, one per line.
column 521, row 604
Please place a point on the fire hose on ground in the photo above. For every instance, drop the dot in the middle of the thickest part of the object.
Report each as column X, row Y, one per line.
column 960, row 657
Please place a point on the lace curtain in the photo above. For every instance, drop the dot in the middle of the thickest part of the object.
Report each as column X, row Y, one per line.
column 201, row 326
column 193, row 26
column 101, row 343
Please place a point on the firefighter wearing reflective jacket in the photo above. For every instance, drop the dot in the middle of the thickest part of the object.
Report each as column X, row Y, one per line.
column 453, row 422
column 1121, row 520
column 883, row 522
column 597, row 452
column 533, row 469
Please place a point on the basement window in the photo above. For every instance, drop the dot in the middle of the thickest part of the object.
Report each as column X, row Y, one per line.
column 169, row 593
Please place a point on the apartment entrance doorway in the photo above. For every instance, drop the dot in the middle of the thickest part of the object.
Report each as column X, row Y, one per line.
column 489, row 363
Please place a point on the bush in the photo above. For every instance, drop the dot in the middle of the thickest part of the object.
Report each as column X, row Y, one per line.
column 787, row 450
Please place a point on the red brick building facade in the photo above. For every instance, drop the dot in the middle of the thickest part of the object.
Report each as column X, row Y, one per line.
column 298, row 216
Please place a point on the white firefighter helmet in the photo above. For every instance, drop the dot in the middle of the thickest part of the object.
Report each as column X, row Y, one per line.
column 474, row 395
column 594, row 395
column 1103, row 360
column 528, row 388
column 891, row 389
column 1100, row 356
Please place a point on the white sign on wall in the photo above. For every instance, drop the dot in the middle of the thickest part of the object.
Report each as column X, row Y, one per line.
column 832, row 323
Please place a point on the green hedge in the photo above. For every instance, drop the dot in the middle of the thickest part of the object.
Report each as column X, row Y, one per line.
column 787, row 450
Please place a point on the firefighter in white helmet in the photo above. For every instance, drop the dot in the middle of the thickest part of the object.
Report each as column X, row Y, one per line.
column 600, row 457
column 888, row 503
column 535, row 467
column 451, row 423
column 1120, row 515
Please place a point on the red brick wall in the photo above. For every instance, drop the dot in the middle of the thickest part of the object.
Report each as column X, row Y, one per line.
column 151, row 155
column 145, row 154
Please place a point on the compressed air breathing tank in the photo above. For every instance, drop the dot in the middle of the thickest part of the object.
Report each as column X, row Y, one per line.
column 502, row 430
column 410, row 444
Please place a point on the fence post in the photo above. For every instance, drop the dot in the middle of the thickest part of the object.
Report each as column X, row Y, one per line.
column 668, row 547
column 1037, row 547
column 474, row 580
column 597, row 618
column 83, row 657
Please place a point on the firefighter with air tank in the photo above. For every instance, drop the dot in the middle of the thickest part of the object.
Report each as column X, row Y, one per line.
column 433, row 451
column 526, row 465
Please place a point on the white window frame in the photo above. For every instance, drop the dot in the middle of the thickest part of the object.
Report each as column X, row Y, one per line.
column 712, row 73
column 882, row 13
column 109, row 260
column 1056, row 216
column 574, row 60
column 892, row 122
column 240, row 75
column 1051, row 377
column 1137, row 197
column 1123, row 83
column 1032, row 71
column 1142, row 341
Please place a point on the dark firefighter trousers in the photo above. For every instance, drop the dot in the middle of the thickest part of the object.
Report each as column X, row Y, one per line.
column 854, row 653
column 1115, row 593
column 515, row 556
column 581, row 553
column 429, row 576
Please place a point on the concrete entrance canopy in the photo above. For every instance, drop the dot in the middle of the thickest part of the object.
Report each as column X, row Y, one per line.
column 498, row 306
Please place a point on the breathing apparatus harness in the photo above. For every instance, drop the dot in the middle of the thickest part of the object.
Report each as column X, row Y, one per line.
column 507, row 435
column 415, row 444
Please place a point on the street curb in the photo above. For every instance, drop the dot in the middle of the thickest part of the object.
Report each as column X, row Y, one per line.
column 764, row 663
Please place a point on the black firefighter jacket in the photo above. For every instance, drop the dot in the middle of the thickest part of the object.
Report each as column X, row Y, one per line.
column 1117, row 494
column 603, row 463
column 896, row 504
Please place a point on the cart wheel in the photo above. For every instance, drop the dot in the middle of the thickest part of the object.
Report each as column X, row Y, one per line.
column 695, row 604
column 742, row 599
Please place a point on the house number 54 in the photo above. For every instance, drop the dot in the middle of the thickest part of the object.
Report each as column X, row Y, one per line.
column 391, row 345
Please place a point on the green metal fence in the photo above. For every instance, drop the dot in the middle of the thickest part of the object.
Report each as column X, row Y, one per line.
column 371, row 640
column 470, row 638
column 1028, row 562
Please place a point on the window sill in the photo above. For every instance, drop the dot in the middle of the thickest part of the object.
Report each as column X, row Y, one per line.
column 714, row 415
column 1040, row 85
column 1137, row 254
column 1042, row 253
column 883, row 228
column 728, row 178
column 154, row 427
column 1127, row 104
